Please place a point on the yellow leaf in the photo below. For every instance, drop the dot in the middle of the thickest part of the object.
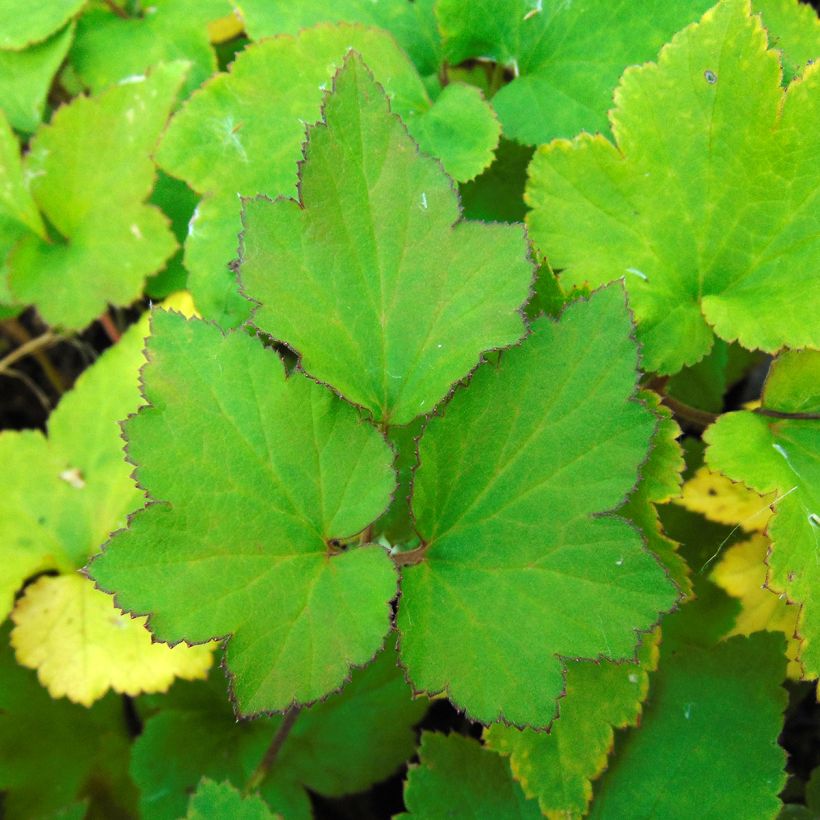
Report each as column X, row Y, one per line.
column 742, row 573
column 182, row 302
column 226, row 28
column 81, row 645
column 727, row 502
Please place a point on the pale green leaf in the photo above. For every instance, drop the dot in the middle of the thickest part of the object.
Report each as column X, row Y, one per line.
column 794, row 30
column 566, row 57
column 707, row 743
column 242, row 542
column 108, row 48
column 219, row 801
column 106, row 239
column 411, row 22
column 22, row 25
column 707, row 204
column 515, row 475
column 243, row 133
column 400, row 297
column 26, row 76
column 771, row 452
column 61, row 495
column 557, row 768
column 54, row 753
column 342, row 745
column 456, row 777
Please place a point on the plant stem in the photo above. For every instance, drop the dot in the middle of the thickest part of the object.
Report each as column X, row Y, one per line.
column 694, row 415
column 496, row 78
column 119, row 11
column 21, row 335
column 408, row 557
column 266, row 764
column 28, row 347
column 778, row 414
column 110, row 328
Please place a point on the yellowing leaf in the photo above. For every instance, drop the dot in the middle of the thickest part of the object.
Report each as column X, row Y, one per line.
column 742, row 573
column 81, row 645
column 726, row 502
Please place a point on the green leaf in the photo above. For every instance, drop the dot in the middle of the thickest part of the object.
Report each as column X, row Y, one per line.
column 243, row 133
column 771, row 452
column 456, row 777
column 109, row 49
column 400, row 297
column 557, row 767
column 53, row 752
column 659, row 483
column 242, row 542
column 515, row 475
column 217, row 801
column 794, row 30
column 22, row 26
column 683, row 207
column 342, row 745
column 411, row 22
column 707, row 743
column 61, row 495
column 106, row 239
column 26, row 76
column 565, row 57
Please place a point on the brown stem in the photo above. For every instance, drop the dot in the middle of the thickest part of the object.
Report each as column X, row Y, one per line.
column 272, row 752
column 694, row 415
column 110, row 328
column 778, row 414
column 409, row 557
column 29, row 347
column 21, row 335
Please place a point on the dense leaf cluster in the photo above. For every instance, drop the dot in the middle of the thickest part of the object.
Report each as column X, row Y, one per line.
column 471, row 357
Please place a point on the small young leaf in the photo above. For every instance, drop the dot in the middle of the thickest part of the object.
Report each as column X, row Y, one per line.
column 707, row 743
column 82, row 646
column 513, row 480
column 400, row 297
column 242, row 541
column 456, row 777
column 683, row 206
column 219, row 801
column 782, row 455
column 557, row 767
column 109, row 240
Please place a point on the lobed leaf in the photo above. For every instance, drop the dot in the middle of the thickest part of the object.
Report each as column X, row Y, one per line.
column 243, row 543
column 514, row 478
column 400, row 297
column 781, row 454
column 215, row 801
column 704, row 203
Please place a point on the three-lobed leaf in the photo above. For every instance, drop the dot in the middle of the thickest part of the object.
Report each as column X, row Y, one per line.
column 241, row 542
column 399, row 297
column 514, row 478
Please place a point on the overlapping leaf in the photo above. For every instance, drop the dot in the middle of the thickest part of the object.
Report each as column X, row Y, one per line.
column 705, row 204
column 565, row 57
column 411, row 22
column 243, row 134
column 109, row 48
column 351, row 740
column 216, row 801
column 242, row 542
column 455, row 776
column 399, row 297
column 774, row 450
column 557, row 768
column 22, row 27
column 508, row 499
column 105, row 240
column 26, row 76
column 709, row 707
